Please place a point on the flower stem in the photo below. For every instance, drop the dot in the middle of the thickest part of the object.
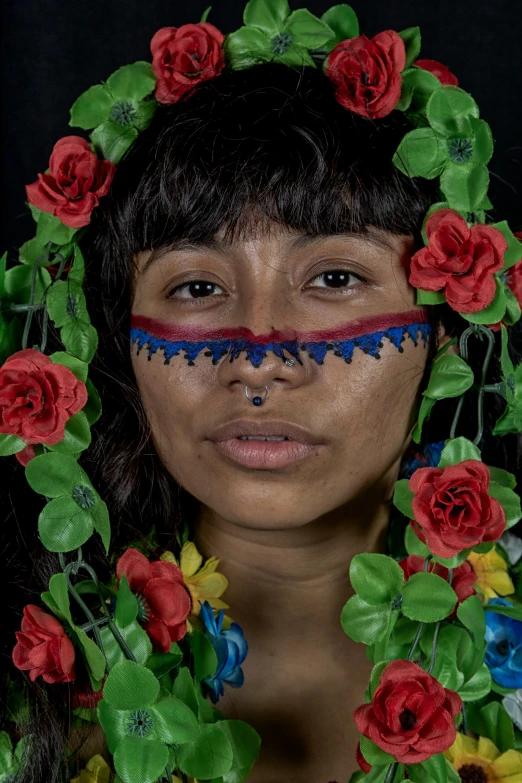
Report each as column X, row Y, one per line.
column 437, row 631
column 391, row 772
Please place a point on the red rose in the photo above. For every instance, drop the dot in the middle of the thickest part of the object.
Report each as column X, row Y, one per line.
column 37, row 397
column 452, row 508
column 43, row 647
column 185, row 56
column 439, row 70
column 85, row 697
column 463, row 580
column 461, row 261
column 411, row 715
column 361, row 760
column 164, row 601
column 367, row 73
column 75, row 184
column 513, row 278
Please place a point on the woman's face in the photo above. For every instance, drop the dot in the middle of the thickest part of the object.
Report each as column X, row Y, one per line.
column 336, row 291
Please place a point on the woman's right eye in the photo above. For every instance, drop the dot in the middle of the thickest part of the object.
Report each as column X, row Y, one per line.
column 196, row 289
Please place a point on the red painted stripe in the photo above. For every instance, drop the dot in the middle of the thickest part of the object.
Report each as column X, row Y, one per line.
column 356, row 328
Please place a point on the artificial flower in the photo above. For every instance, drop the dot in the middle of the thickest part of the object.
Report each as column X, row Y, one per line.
column 460, row 261
column 231, row 649
column 366, row 73
column 37, row 398
column 182, row 57
column 85, row 697
column 427, row 456
column 203, row 583
column 164, row 602
column 492, row 574
column 176, row 779
column 503, row 646
column 512, row 546
column 479, row 760
column 76, row 181
column 361, row 761
column 452, row 508
column 43, row 648
column 463, row 579
column 439, row 70
column 512, row 703
column 411, row 715
column 96, row 771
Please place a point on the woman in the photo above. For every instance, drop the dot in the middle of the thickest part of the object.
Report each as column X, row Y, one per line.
column 260, row 211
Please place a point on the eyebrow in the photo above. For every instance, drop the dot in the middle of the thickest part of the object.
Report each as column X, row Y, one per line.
column 221, row 247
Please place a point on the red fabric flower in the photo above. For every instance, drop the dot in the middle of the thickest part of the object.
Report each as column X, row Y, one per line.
column 361, row 760
column 182, row 57
column 452, row 508
column 439, row 70
column 165, row 602
column 513, row 279
column 459, row 260
column 43, row 648
column 85, row 697
column 75, row 184
column 463, row 580
column 411, row 715
column 367, row 73
column 37, row 397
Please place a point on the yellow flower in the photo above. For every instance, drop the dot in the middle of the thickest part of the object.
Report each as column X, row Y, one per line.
column 96, row 771
column 175, row 779
column 481, row 762
column 203, row 583
column 492, row 574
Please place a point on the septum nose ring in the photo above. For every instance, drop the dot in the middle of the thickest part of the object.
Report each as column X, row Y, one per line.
column 260, row 400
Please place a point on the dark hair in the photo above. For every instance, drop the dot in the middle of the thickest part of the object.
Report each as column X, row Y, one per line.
column 268, row 143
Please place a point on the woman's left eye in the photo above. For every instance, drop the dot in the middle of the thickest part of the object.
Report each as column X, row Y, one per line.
column 338, row 278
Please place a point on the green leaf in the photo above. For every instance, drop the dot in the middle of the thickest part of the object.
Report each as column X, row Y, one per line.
column 246, row 743
column 111, row 140
column 132, row 82
column 494, row 312
column 363, row 622
column 433, row 770
column 245, row 47
column 130, row 686
column 471, row 615
column 307, row 30
column 209, row 756
column 509, row 500
column 51, row 229
column 503, row 477
column 412, row 43
column 126, row 604
column 77, row 435
column 342, row 19
column 294, row 57
column 136, row 638
column 373, row 754
column 75, row 365
column 513, row 311
column 93, row 655
column 18, row 284
column 102, row 524
column 60, row 595
column 482, row 143
column 92, row 408
column 184, row 689
column 458, row 450
column 421, row 153
column 376, row 578
column 77, row 270
column 163, row 663
column 139, row 760
column 375, row 676
column 427, row 598
column 413, row 544
column 425, row 409
column 62, row 525
column 65, row 301
column 80, row 339
column 204, row 15
column 205, row 658
column 91, row 108
column 174, row 721
column 402, row 497
column 430, row 297
column 451, row 376
column 452, row 562
column 10, row 444
column 268, row 16
column 449, row 110
column 464, row 186
column 478, row 687
column 113, row 724
column 32, row 251
column 54, row 475
column 498, row 726
column 417, row 87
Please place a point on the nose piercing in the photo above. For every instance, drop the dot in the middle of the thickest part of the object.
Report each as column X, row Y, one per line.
column 257, row 400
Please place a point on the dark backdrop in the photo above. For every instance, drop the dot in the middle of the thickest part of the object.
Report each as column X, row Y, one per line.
column 52, row 50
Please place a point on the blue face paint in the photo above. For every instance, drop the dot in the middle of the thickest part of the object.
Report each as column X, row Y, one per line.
column 366, row 334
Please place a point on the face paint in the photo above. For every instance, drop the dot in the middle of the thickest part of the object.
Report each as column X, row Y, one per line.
column 366, row 334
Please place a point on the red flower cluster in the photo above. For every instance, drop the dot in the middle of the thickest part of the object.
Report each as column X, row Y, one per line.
column 37, row 397
column 440, row 71
column 182, row 57
column 452, row 508
column 367, row 73
column 459, row 260
column 43, row 648
column 165, row 602
column 76, row 182
column 411, row 715
column 463, row 580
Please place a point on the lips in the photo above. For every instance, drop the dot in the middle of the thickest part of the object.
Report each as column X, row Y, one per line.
column 264, row 427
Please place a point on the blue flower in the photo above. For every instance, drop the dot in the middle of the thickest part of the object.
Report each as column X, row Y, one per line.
column 427, row 456
column 504, row 646
column 231, row 649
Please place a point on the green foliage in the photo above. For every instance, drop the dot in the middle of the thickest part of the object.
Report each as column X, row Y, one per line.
column 366, row 623
column 402, row 497
column 412, row 43
column 376, row 578
column 126, row 604
column 471, row 614
column 342, row 20
column 458, row 450
column 135, row 637
column 427, row 598
column 205, row 658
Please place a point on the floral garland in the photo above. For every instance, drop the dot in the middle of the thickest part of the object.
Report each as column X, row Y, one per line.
column 443, row 626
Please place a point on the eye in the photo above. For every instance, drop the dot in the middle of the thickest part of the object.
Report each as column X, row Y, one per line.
column 337, row 279
column 194, row 290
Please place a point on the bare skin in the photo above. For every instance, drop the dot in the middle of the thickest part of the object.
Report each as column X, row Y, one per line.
column 285, row 536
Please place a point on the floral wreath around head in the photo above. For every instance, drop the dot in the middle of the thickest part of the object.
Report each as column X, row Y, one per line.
column 445, row 641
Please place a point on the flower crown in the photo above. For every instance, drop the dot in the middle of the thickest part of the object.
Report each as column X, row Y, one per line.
column 445, row 641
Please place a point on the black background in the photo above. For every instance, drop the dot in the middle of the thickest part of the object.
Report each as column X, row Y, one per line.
column 52, row 50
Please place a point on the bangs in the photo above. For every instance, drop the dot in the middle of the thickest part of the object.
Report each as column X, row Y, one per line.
column 268, row 144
